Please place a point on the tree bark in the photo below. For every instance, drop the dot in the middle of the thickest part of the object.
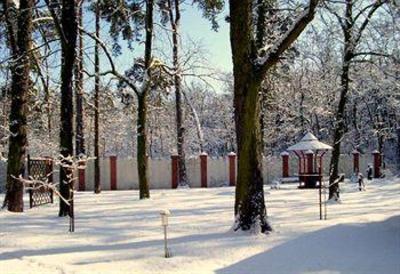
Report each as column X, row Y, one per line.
column 69, row 29
column 340, row 126
column 142, row 157
column 352, row 35
column 180, row 130
column 97, row 182
column 79, row 117
column 250, row 210
column 20, row 69
column 249, row 72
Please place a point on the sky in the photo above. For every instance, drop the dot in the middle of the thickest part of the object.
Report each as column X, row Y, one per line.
column 193, row 27
column 197, row 27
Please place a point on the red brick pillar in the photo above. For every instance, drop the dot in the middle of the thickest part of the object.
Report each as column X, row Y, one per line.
column 81, row 176
column 232, row 168
column 377, row 163
column 113, row 172
column 356, row 161
column 285, row 164
column 310, row 161
column 174, row 170
column 203, row 169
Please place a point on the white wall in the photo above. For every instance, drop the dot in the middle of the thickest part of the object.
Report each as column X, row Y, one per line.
column 193, row 172
column 218, row 171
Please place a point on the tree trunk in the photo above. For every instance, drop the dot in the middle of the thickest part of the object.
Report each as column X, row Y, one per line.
column 250, row 210
column 18, row 113
column 357, row 134
column 142, row 157
column 97, row 183
column 340, row 126
column 197, row 122
column 180, row 130
column 69, row 33
column 249, row 72
column 79, row 117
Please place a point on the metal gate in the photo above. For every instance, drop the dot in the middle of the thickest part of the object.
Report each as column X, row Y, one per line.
column 40, row 169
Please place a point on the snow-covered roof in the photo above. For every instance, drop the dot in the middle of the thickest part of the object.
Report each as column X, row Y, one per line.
column 309, row 142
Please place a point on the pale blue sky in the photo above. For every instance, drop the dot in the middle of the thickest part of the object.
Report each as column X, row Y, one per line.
column 193, row 25
column 217, row 43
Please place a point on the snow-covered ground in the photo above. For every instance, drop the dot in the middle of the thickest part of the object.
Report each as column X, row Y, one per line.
column 117, row 233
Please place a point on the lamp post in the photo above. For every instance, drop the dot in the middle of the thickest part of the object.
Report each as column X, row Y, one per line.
column 164, row 222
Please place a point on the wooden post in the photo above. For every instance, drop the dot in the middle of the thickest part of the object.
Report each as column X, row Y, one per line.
column 232, row 168
column 203, row 169
column 356, row 161
column 113, row 172
column 285, row 164
column 377, row 163
column 49, row 171
column 174, row 170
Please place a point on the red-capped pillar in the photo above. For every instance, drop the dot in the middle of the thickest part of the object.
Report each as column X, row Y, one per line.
column 377, row 163
column 81, row 176
column 174, row 170
column 285, row 164
column 203, row 169
column 113, row 172
column 356, row 161
column 232, row 168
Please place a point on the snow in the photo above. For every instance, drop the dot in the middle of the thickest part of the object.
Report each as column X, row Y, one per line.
column 118, row 233
column 309, row 142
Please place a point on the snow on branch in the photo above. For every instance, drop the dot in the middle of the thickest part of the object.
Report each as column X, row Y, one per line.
column 272, row 55
column 371, row 12
column 138, row 89
column 34, row 184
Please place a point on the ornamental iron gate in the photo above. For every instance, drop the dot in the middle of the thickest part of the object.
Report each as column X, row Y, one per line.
column 40, row 169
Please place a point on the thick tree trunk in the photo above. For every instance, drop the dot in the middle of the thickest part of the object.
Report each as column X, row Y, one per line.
column 18, row 113
column 69, row 30
column 97, row 183
column 142, row 157
column 250, row 210
column 250, row 207
column 340, row 126
column 180, row 130
column 249, row 72
column 79, row 117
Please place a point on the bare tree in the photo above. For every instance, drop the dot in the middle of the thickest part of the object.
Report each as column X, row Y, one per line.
column 352, row 34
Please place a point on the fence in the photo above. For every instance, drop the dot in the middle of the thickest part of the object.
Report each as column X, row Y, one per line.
column 203, row 171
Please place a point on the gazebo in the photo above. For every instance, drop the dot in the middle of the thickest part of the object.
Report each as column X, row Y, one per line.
column 310, row 152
